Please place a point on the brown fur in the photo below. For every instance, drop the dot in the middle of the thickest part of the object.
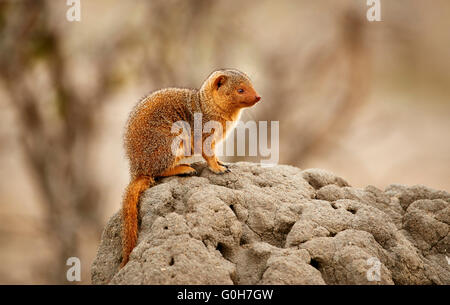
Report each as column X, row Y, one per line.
column 130, row 214
column 148, row 136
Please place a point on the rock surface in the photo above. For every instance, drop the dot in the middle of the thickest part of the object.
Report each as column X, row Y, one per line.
column 281, row 225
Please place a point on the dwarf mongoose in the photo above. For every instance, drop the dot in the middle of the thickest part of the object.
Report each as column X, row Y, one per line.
column 149, row 136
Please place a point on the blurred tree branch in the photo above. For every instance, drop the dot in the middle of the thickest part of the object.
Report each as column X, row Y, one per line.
column 55, row 148
column 331, row 88
column 351, row 49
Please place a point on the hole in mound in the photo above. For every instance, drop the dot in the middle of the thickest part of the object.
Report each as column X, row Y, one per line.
column 264, row 184
column 332, row 234
column 224, row 250
column 232, row 208
column 172, row 261
column 315, row 263
column 351, row 210
column 166, row 227
column 286, row 228
column 242, row 241
column 220, row 247
column 314, row 183
column 333, row 206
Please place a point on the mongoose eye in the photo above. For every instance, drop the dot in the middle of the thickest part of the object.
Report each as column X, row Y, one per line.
column 240, row 90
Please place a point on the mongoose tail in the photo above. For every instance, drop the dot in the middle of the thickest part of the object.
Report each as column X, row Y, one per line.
column 130, row 214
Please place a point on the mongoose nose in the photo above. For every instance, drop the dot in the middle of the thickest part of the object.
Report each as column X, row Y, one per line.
column 257, row 98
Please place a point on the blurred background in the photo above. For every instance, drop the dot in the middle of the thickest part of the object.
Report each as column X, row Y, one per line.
column 369, row 101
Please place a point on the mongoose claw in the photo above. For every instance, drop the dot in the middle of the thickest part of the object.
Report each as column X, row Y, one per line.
column 189, row 174
column 220, row 170
column 223, row 164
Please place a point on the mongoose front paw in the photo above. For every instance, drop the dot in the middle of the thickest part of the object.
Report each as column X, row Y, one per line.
column 219, row 169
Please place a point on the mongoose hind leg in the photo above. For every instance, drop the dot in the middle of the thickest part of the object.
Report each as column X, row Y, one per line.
column 181, row 169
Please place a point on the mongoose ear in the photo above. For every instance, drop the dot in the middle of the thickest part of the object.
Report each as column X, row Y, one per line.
column 219, row 81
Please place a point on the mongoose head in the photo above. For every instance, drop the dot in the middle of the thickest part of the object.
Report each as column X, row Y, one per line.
column 231, row 89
